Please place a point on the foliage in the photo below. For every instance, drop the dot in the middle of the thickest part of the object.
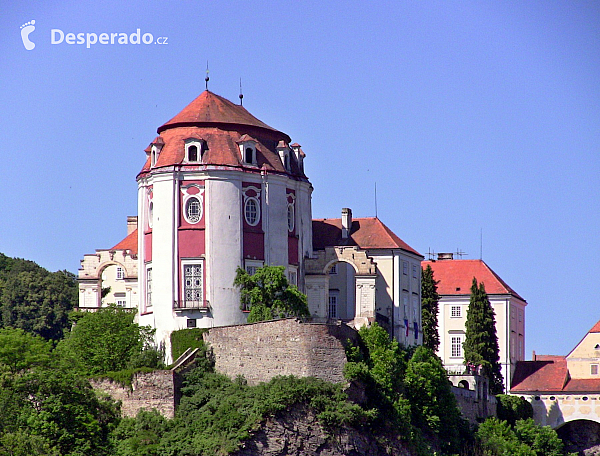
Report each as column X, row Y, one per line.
column 34, row 299
column 498, row 438
column 268, row 294
column 106, row 340
column 432, row 402
column 216, row 414
column 186, row 338
column 49, row 411
column 481, row 342
column 140, row 436
column 20, row 350
column 513, row 408
column 429, row 309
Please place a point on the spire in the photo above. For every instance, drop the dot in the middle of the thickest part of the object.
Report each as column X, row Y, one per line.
column 241, row 94
column 206, row 79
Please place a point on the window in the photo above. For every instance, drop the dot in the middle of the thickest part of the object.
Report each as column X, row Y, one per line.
column 293, row 277
column 334, row 269
column 456, row 346
column 121, row 302
column 290, row 217
column 120, row 273
column 149, row 287
column 249, row 155
column 191, row 323
column 333, row 303
column 415, row 305
column 405, row 268
column 193, row 153
column 192, row 285
column 455, row 312
column 251, row 266
column 594, row 369
column 520, row 315
column 414, row 271
column 193, row 210
column 150, row 214
column 252, row 211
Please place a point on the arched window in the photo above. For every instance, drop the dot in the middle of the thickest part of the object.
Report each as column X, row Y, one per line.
column 252, row 211
column 193, row 210
column 150, row 214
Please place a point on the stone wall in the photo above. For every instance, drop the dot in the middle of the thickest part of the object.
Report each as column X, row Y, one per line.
column 149, row 390
column 261, row 351
column 475, row 409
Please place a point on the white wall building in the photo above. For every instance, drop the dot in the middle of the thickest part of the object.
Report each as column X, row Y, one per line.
column 455, row 278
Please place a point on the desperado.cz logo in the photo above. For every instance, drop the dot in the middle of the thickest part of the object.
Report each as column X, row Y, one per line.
column 57, row 36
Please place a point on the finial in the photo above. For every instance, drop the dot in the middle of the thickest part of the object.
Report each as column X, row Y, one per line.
column 241, row 94
column 206, row 79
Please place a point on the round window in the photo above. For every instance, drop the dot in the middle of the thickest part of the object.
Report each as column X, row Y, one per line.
column 193, row 210
column 252, row 211
column 291, row 218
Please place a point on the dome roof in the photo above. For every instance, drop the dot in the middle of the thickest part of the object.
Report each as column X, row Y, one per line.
column 209, row 109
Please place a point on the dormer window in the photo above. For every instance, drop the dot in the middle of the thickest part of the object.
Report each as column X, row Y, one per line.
column 284, row 154
column 247, row 150
column 194, row 150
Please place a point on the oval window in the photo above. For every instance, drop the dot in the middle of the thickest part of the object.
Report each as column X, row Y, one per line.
column 150, row 214
column 193, row 210
column 252, row 211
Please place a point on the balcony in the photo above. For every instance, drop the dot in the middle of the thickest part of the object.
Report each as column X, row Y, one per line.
column 191, row 305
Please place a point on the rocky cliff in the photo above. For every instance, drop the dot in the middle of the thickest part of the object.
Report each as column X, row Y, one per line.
column 297, row 432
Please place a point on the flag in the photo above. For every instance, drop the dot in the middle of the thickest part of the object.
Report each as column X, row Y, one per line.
column 406, row 326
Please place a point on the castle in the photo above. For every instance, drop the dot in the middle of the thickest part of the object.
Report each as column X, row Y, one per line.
column 219, row 190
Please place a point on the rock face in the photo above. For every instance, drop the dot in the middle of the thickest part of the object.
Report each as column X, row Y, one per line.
column 297, row 432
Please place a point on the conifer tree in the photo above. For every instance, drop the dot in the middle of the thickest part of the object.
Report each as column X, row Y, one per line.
column 429, row 309
column 481, row 342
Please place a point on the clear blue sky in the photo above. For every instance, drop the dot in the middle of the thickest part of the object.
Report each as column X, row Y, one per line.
column 472, row 117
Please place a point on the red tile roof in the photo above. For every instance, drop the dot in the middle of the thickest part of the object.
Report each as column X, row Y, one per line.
column 209, row 109
column 221, row 125
column 595, row 328
column 455, row 277
column 129, row 243
column 366, row 233
column 540, row 376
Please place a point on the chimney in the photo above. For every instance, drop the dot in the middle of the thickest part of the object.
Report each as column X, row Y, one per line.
column 445, row 256
column 131, row 224
column 346, row 222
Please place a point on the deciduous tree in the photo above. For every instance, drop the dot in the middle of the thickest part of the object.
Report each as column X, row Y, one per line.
column 268, row 294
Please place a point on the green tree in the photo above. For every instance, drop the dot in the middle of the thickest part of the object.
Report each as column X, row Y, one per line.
column 481, row 342
column 20, row 350
column 429, row 306
column 268, row 294
column 106, row 340
column 35, row 300
column 513, row 408
column 432, row 402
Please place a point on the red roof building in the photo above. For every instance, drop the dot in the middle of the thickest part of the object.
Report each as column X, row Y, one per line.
column 563, row 388
column 455, row 278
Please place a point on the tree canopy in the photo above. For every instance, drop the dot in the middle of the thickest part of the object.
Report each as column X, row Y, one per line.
column 107, row 340
column 481, row 342
column 268, row 295
column 34, row 299
column 429, row 306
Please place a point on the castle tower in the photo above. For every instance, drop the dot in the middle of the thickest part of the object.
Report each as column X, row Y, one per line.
column 219, row 190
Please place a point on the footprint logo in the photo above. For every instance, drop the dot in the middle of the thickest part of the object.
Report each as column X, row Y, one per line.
column 26, row 29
